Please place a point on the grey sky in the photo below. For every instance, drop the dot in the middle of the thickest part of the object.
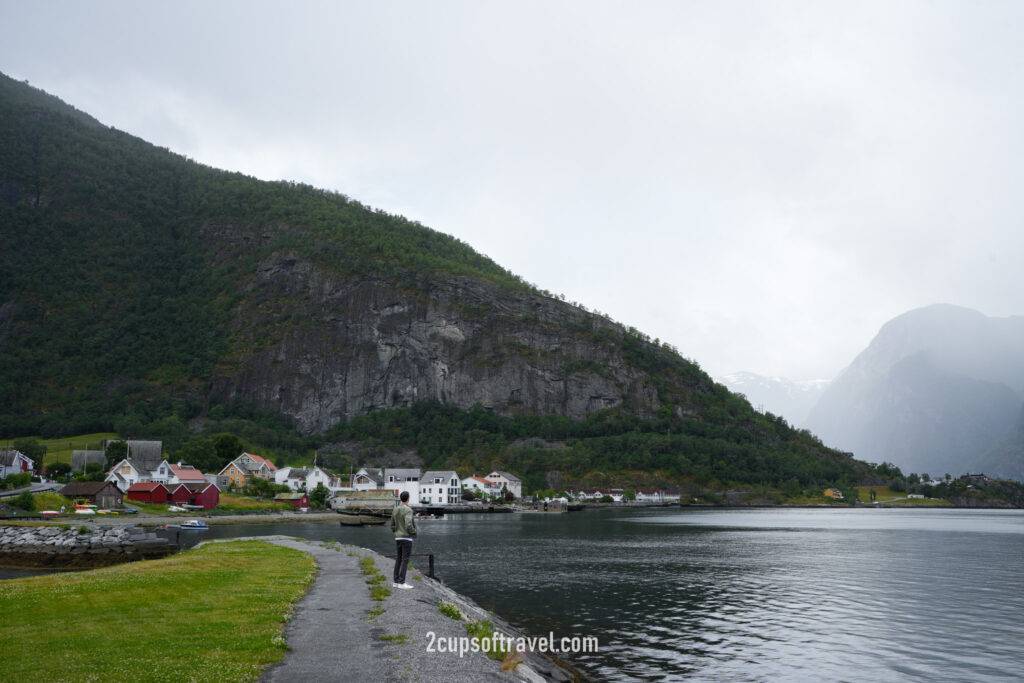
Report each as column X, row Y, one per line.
column 762, row 184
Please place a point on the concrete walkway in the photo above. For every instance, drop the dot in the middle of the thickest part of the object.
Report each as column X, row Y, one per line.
column 334, row 634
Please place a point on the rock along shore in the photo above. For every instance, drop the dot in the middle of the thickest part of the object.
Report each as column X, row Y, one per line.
column 78, row 546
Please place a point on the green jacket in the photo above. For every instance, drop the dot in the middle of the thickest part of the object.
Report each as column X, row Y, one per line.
column 402, row 522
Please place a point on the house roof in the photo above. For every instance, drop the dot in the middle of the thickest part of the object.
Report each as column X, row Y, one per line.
column 145, row 455
column 261, row 459
column 86, row 488
column 444, row 474
column 295, row 473
column 8, row 457
column 187, row 473
column 289, row 496
column 510, row 477
column 199, row 487
column 374, row 473
column 484, row 481
column 402, row 474
column 146, row 486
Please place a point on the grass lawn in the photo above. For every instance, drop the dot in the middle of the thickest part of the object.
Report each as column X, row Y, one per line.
column 232, row 501
column 884, row 494
column 59, row 450
column 215, row 613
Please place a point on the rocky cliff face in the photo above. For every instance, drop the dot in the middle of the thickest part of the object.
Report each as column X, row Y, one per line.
column 350, row 346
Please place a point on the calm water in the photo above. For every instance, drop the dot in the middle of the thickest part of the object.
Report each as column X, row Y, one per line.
column 743, row 595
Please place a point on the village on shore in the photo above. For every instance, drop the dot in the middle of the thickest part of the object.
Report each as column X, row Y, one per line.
column 145, row 476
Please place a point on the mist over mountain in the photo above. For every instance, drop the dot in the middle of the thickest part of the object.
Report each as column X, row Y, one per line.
column 939, row 389
column 792, row 399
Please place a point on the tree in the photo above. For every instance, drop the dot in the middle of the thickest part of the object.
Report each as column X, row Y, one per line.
column 93, row 472
column 318, row 496
column 629, row 494
column 25, row 500
column 201, row 454
column 116, row 452
column 58, row 469
column 32, row 448
column 228, row 447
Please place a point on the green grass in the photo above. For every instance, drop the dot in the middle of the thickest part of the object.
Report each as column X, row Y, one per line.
column 481, row 631
column 234, row 501
column 50, row 501
column 59, row 450
column 450, row 610
column 378, row 589
column 214, row 613
column 397, row 639
column 884, row 494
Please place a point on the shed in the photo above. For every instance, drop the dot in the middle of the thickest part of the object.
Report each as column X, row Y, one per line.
column 102, row 493
column 147, row 492
column 205, row 494
column 298, row 500
column 179, row 494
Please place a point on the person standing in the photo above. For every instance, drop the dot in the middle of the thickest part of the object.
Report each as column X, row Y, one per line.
column 403, row 524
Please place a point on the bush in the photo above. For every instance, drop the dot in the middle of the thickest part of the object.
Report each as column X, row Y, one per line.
column 16, row 481
column 26, row 501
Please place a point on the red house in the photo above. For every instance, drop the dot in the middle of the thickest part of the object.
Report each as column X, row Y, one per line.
column 147, row 492
column 205, row 494
column 298, row 500
column 179, row 494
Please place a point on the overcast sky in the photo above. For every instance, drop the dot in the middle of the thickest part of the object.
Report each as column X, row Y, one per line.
column 762, row 184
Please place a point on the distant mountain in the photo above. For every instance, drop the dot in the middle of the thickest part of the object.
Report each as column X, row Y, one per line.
column 939, row 389
column 792, row 399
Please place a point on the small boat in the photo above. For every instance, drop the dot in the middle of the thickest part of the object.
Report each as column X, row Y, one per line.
column 50, row 513
column 175, row 508
column 194, row 524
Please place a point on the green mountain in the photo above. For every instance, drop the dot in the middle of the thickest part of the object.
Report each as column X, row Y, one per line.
column 141, row 291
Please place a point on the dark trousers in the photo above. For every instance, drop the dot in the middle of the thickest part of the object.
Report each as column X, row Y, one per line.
column 403, row 552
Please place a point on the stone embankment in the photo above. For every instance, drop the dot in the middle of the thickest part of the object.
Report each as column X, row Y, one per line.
column 78, row 547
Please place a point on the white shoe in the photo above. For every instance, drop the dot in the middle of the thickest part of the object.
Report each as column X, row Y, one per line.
column 406, row 586
column 397, row 585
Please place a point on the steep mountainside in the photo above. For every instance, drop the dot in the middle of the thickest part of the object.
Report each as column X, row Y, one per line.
column 129, row 272
column 935, row 391
column 142, row 292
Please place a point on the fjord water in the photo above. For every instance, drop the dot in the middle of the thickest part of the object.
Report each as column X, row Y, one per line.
column 743, row 595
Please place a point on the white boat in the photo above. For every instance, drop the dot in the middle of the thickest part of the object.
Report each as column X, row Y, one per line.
column 175, row 508
column 194, row 524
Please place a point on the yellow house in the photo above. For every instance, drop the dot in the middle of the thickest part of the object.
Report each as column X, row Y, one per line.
column 244, row 467
column 835, row 494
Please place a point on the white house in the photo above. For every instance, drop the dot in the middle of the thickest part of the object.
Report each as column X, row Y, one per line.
column 442, row 487
column 649, row 496
column 126, row 474
column 509, row 482
column 14, row 462
column 485, row 486
column 306, row 478
column 368, row 479
column 399, row 480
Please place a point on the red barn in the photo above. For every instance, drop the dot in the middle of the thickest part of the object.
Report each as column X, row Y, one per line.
column 179, row 494
column 298, row 500
column 205, row 494
column 147, row 492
